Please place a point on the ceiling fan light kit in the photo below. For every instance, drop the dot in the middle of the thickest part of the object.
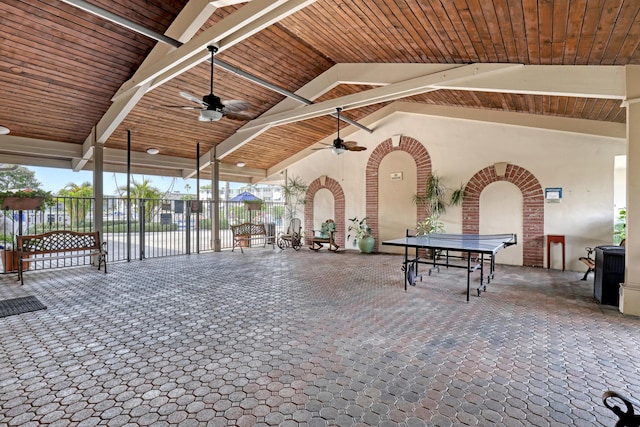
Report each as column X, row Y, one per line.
column 210, row 115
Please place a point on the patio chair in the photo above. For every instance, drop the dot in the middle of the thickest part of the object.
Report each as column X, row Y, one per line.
column 293, row 237
column 325, row 235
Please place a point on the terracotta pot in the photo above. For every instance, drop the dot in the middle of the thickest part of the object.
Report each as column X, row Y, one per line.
column 10, row 261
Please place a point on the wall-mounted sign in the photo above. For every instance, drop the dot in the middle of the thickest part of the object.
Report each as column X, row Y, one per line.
column 196, row 206
column 165, row 219
column 396, row 176
column 553, row 195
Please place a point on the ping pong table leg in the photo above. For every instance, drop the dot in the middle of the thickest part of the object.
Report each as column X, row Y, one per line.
column 468, row 274
column 406, row 267
column 482, row 286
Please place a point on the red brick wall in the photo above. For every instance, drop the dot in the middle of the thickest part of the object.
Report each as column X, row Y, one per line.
column 338, row 208
column 423, row 165
column 533, row 209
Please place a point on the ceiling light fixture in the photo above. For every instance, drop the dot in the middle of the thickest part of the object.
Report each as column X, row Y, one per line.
column 152, row 151
column 210, row 115
column 4, row 130
column 338, row 150
column 241, row 164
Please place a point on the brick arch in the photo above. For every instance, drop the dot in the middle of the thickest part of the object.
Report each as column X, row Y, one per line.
column 338, row 207
column 533, row 208
column 423, row 165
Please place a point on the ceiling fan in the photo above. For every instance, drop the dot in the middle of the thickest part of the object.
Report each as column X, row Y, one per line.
column 211, row 107
column 339, row 145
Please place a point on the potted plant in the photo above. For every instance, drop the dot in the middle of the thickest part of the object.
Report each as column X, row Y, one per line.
column 435, row 201
column 361, row 235
column 27, row 199
column 295, row 193
column 431, row 224
column 620, row 227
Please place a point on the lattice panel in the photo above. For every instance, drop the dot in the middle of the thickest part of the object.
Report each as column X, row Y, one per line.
column 59, row 242
column 249, row 229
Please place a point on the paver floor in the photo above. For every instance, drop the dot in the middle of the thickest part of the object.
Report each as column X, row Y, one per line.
column 301, row 338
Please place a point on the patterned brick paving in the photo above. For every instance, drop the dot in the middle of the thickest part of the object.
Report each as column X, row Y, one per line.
column 316, row 339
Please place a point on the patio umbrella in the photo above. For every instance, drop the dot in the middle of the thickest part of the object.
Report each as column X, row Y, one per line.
column 244, row 197
column 252, row 202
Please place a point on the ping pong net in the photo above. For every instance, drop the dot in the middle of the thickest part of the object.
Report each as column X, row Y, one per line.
column 507, row 237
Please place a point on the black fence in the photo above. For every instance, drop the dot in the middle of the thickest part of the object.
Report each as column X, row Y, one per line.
column 139, row 228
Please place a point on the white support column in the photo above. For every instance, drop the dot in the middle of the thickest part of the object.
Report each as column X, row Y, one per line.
column 215, row 193
column 630, row 290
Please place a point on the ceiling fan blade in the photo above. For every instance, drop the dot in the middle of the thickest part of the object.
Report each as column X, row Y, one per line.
column 322, row 148
column 183, row 107
column 237, row 115
column 193, row 98
column 355, row 148
column 236, row 105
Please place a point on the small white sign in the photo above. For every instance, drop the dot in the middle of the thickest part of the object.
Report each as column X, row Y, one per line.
column 396, row 176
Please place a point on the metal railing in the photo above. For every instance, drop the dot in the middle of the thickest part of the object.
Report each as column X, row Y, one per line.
column 143, row 228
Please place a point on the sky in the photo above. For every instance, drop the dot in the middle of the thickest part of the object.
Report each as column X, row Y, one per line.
column 54, row 179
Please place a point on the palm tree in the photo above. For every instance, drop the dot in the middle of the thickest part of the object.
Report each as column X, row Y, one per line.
column 145, row 193
column 77, row 202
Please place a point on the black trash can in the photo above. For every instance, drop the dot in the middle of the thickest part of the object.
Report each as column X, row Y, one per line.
column 609, row 274
column 270, row 227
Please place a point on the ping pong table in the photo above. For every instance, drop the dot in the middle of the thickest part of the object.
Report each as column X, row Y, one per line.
column 478, row 245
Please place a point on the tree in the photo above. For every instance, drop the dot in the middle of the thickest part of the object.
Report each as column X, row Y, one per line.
column 144, row 192
column 18, row 179
column 187, row 196
column 295, row 193
column 77, row 202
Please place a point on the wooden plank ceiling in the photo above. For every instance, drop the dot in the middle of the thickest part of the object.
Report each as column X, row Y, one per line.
column 61, row 67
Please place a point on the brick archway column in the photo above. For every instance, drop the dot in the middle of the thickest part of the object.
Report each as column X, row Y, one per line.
column 423, row 165
column 338, row 208
column 533, row 209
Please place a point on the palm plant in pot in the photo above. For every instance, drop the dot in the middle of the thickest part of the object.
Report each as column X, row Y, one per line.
column 435, row 202
column 361, row 234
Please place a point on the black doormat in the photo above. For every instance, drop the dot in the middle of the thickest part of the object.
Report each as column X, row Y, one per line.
column 21, row 305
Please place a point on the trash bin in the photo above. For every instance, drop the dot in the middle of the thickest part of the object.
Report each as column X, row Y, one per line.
column 609, row 274
column 271, row 231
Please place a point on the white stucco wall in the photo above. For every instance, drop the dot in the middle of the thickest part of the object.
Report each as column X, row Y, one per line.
column 582, row 165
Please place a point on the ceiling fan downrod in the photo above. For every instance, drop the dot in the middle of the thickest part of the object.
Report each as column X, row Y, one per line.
column 213, row 50
column 338, row 110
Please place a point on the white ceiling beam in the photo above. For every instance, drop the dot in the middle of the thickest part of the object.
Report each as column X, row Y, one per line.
column 583, row 81
column 196, row 48
column 372, row 74
column 592, row 128
column 379, row 94
column 595, row 128
column 190, row 19
column 40, row 147
column 29, row 160
column 250, row 27
column 187, row 23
